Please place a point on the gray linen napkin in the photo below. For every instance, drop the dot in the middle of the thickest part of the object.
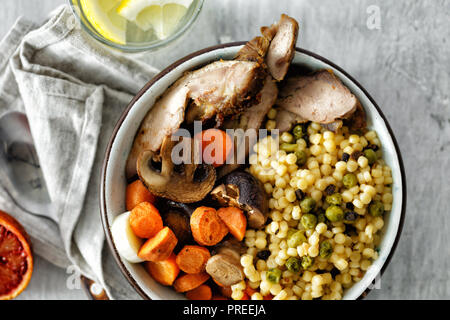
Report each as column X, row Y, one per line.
column 72, row 91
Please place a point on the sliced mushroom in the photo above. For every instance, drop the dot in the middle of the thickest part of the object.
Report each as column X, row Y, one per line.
column 225, row 267
column 186, row 208
column 178, row 222
column 320, row 97
column 186, row 182
column 241, row 189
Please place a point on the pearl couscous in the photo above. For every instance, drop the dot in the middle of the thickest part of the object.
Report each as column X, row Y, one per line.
column 328, row 193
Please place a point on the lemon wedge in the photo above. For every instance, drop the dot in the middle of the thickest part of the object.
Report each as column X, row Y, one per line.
column 161, row 15
column 103, row 17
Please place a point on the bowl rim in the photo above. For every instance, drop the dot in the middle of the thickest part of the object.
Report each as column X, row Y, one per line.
column 102, row 195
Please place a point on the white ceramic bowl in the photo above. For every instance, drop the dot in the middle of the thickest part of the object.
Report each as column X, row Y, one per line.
column 113, row 183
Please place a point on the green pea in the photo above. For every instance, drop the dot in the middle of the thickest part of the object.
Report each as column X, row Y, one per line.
column 290, row 232
column 297, row 132
column 295, row 239
column 370, row 155
column 307, row 204
column 334, row 213
column 309, row 221
column 307, row 262
column 349, row 180
column 376, row 208
column 288, row 147
column 293, row 264
column 273, row 275
column 335, row 199
column 326, row 249
column 301, row 157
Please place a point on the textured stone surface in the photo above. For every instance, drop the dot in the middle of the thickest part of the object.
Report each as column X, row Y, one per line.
column 405, row 65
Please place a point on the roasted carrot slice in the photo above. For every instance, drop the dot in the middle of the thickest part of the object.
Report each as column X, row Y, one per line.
column 159, row 247
column 235, row 220
column 165, row 271
column 145, row 220
column 202, row 292
column 188, row 282
column 216, row 146
column 217, row 282
column 245, row 296
column 207, row 228
column 192, row 259
column 249, row 291
column 137, row 193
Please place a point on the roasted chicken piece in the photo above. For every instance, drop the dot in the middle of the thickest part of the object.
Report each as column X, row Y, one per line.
column 320, row 97
column 220, row 88
column 251, row 118
column 282, row 46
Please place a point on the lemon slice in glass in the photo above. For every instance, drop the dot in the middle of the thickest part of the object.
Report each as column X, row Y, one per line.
column 103, row 17
column 161, row 15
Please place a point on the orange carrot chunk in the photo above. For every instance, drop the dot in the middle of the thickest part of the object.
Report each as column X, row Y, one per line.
column 188, row 282
column 202, row 292
column 235, row 220
column 206, row 226
column 145, row 220
column 160, row 247
column 192, row 259
column 249, row 291
column 216, row 146
column 217, row 282
column 245, row 296
column 137, row 193
column 165, row 272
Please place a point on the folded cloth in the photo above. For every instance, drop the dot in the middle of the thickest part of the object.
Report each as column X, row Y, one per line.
column 72, row 91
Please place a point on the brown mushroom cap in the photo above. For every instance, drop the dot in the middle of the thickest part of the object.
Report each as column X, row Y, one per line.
column 185, row 183
column 225, row 267
column 241, row 189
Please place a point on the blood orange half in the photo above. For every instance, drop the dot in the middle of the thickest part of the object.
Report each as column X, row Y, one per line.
column 16, row 260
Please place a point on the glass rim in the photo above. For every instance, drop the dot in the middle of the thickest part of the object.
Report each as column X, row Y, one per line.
column 135, row 48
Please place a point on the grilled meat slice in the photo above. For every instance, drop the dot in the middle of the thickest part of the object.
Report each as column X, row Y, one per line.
column 251, row 118
column 282, row 46
column 220, row 88
column 320, row 97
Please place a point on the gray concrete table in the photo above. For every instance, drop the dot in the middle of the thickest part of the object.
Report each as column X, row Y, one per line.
column 404, row 64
